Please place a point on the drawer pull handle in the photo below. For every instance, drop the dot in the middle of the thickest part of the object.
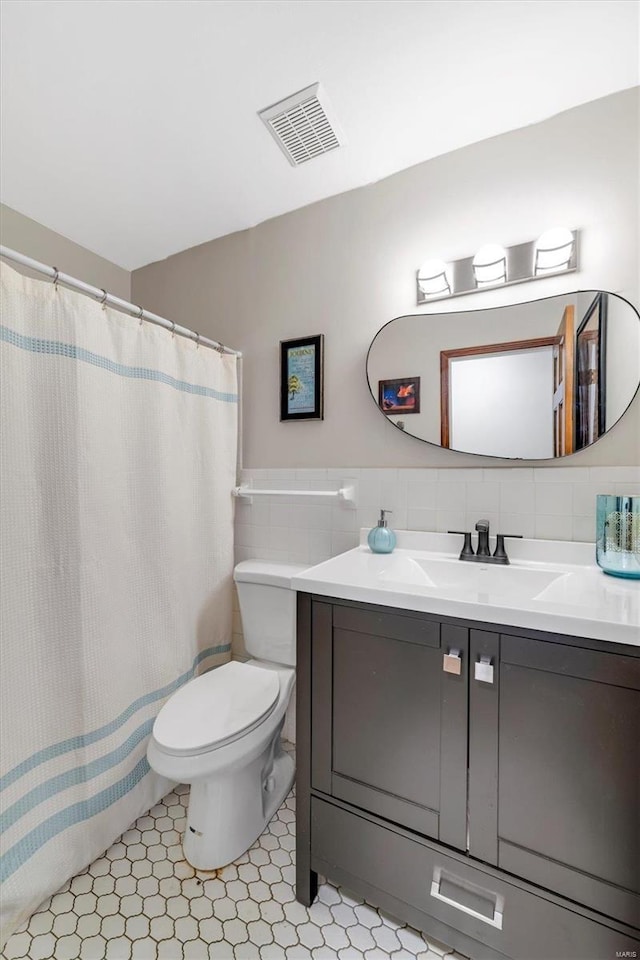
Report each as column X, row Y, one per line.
column 476, row 894
column 452, row 662
column 483, row 669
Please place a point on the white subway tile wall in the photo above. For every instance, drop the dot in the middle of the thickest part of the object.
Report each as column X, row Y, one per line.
column 552, row 503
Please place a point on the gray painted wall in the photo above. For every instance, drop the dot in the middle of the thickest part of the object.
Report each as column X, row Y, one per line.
column 31, row 238
column 345, row 266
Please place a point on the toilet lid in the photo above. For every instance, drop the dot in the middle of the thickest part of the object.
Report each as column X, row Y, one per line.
column 216, row 708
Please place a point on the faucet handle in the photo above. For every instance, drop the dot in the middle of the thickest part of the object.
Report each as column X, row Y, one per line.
column 500, row 553
column 467, row 549
column 482, row 526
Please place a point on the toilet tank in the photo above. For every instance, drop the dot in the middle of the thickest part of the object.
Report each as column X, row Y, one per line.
column 268, row 609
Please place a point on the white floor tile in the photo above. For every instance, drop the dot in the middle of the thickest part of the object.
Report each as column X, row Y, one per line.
column 142, row 901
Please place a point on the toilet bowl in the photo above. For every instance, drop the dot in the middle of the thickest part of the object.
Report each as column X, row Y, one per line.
column 220, row 732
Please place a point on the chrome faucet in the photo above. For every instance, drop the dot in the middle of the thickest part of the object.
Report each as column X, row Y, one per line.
column 483, row 552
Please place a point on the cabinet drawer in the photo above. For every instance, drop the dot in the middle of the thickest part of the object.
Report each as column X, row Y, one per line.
column 394, row 626
column 514, row 921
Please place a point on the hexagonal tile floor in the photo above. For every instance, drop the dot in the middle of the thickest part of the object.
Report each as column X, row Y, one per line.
column 143, row 901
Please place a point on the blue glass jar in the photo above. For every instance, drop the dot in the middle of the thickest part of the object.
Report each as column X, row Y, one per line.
column 381, row 539
column 618, row 535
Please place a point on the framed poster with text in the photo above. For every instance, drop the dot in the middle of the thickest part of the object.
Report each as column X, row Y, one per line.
column 301, row 378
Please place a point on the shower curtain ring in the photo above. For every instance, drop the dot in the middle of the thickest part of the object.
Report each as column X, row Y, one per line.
column 197, row 340
column 141, row 315
column 173, row 328
column 56, row 274
column 103, row 299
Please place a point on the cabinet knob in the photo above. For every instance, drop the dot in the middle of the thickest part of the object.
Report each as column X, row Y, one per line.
column 452, row 662
column 483, row 669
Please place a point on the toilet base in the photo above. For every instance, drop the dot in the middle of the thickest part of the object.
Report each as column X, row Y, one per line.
column 228, row 812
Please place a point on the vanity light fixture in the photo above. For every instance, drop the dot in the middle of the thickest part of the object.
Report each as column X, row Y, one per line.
column 553, row 253
column 433, row 279
column 490, row 265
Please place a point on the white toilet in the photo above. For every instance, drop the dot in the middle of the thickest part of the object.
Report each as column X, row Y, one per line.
column 221, row 731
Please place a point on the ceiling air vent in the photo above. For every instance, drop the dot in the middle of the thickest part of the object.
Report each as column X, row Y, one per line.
column 302, row 125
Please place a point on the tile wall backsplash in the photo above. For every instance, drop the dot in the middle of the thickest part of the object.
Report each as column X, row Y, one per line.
column 553, row 503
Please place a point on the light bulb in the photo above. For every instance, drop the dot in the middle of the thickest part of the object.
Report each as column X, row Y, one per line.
column 553, row 251
column 490, row 265
column 433, row 279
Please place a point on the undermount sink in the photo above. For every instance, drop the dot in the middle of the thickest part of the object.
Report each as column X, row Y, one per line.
column 478, row 581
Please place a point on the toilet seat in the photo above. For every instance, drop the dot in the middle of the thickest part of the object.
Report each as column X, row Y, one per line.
column 216, row 708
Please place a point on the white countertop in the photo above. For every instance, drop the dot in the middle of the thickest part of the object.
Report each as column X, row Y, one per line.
column 550, row 585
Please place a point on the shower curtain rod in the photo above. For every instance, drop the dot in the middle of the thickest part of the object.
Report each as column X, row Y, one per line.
column 112, row 301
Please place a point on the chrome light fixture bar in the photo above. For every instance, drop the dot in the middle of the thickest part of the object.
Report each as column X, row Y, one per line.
column 553, row 253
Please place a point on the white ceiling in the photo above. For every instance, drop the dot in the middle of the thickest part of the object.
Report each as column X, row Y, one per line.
column 130, row 126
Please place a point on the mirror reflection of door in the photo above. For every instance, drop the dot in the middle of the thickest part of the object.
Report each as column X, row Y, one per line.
column 588, row 387
column 496, row 398
column 563, row 365
column 590, row 400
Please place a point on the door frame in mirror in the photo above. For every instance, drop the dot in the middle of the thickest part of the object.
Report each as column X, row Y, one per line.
column 446, row 356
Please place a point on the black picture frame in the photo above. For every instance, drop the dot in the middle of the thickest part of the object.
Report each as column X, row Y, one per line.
column 400, row 396
column 591, row 329
column 302, row 378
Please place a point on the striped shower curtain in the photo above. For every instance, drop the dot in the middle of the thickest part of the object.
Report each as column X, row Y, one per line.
column 117, row 458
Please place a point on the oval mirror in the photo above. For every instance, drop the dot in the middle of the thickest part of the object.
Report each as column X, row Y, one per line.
column 528, row 381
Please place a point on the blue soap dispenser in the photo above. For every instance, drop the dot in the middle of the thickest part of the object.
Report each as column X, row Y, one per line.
column 381, row 539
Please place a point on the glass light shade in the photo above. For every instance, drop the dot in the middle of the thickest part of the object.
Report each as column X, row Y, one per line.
column 553, row 251
column 490, row 264
column 432, row 278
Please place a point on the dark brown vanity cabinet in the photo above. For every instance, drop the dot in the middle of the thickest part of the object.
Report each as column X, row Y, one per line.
column 389, row 725
column 554, row 769
column 481, row 783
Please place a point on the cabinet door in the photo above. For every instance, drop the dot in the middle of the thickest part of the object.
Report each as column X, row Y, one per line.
column 389, row 724
column 561, row 728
